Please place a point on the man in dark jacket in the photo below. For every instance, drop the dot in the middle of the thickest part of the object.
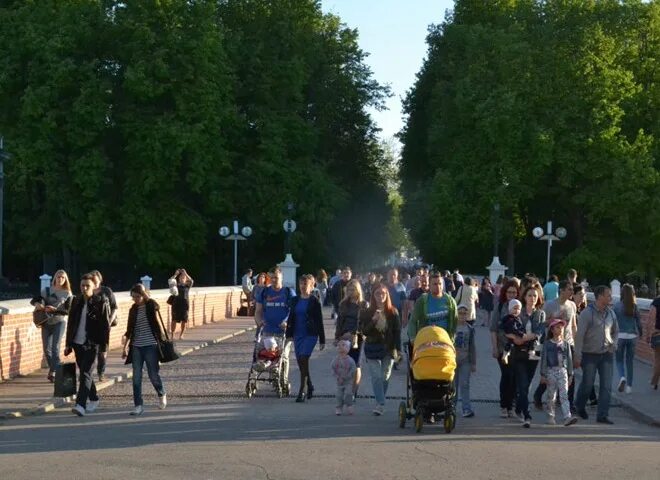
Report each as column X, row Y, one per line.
column 339, row 288
column 87, row 332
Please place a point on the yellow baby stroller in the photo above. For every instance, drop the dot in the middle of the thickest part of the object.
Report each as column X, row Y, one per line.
column 430, row 392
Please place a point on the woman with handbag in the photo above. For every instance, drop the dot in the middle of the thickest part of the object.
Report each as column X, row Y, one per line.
column 305, row 328
column 381, row 325
column 654, row 338
column 181, row 302
column 144, row 334
column 55, row 302
column 348, row 325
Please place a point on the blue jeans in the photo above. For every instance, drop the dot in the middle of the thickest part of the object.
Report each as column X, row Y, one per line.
column 462, row 380
column 51, row 337
column 380, row 371
column 148, row 355
column 524, row 373
column 603, row 363
column 626, row 349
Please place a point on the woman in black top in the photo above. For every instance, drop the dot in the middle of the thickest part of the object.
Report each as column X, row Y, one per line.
column 305, row 328
column 181, row 301
column 144, row 332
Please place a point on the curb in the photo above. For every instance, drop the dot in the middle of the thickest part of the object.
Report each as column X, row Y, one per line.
column 51, row 405
column 635, row 412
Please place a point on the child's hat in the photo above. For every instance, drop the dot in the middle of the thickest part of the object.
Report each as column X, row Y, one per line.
column 514, row 303
column 463, row 306
column 557, row 321
column 344, row 344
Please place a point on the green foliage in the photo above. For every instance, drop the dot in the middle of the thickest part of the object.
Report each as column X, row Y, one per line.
column 548, row 109
column 137, row 128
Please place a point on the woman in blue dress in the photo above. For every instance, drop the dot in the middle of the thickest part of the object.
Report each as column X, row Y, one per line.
column 305, row 328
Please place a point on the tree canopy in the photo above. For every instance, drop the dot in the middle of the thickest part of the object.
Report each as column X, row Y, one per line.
column 137, row 128
column 551, row 111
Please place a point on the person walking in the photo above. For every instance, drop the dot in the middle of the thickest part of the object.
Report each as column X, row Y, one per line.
column 56, row 302
column 509, row 291
column 322, row 285
column 466, row 358
column 468, row 295
column 274, row 305
column 381, row 325
column 557, row 370
column 305, row 329
column 551, row 288
column 87, row 331
column 653, row 337
column 338, row 289
column 434, row 308
column 347, row 327
column 595, row 344
column 524, row 331
column 343, row 369
column 486, row 301
column 144, row 332
column 246, row 285
column 106, row 293
column 630, row 329
column 563, row 308
column 181, row 301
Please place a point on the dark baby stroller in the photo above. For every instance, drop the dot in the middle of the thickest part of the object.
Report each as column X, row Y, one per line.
column 430, row 392
column 270, row 364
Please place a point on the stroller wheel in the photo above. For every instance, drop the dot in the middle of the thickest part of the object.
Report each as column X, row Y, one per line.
column 419, row 420
column 450, row 422
column 403, row 413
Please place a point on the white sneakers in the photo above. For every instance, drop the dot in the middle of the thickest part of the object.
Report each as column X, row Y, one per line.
column 379, row 410
column 162, row 402
column 628, row 389
column 139, row 410
column 78, row 410
column 551, row 420
column 622, row 384
column 92, row 405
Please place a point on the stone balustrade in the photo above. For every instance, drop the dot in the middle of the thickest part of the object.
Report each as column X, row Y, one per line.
column 20, row 341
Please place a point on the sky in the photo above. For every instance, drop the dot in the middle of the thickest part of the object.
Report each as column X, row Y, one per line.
column 393, row 32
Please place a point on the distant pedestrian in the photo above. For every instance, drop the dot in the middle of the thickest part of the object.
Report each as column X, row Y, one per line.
column 396, row 289
column 557, row 370
column 246, row 284
column 551, row 288
column 448, row 283
column 109, row 296
column 56, row 302
column 653, row 336
column 181, row 301
column 572, row 276
column 144, row 331
column 595, row 345
column 468, row 295
column 486, row 301
column 87, row 331
column 498, row 341
column 343, row 368
column 338, row 290
column 466, row 358
column 630, row 329
column 305, row 329
column 322, row 285
column 347, row 327
column 381, row 325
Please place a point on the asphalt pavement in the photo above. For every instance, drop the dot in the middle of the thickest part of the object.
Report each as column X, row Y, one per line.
column 210, row 430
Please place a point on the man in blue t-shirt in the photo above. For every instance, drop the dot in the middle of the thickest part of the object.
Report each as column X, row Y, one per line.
column 434, row 308
column 397, row 290
column 274, row 305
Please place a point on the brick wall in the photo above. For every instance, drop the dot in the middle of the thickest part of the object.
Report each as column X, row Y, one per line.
column 20, row 341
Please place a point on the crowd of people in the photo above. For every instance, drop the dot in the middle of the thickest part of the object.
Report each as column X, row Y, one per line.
column 551, row 329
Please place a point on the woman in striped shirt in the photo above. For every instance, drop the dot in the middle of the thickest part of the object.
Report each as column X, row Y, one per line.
column 143, row 333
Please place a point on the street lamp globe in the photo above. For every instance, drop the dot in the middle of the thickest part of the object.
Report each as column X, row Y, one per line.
column 246, row 231
column 224, row 231
column 561, row 232
column 537, row 232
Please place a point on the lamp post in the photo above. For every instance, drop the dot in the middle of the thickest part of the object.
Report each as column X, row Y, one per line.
column 3, row 156
column 289, row 266
column 549, row 236
column 245, row 232
column 496, row 268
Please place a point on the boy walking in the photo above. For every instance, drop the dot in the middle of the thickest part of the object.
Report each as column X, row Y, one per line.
column 466, row 358
column 343, row 368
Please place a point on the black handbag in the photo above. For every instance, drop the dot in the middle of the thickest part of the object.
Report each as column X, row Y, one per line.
column 166, row 350
column 65, row 380
column 39, row 318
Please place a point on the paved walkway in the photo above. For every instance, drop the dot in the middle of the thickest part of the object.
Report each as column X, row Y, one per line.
column 33, row 394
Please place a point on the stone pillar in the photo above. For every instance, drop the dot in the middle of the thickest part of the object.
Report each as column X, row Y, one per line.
column 45, row 280
column 289, row 269
column 146, row 281
column 496, row 269
column 615, row 285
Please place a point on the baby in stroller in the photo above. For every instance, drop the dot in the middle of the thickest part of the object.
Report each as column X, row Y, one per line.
column 267, row 352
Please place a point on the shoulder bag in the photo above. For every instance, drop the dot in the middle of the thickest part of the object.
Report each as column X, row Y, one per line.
column 40, row 317
column 166, row 350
